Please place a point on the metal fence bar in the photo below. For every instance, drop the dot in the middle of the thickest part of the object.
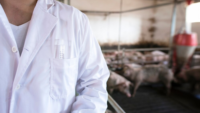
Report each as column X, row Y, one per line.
column 138, row 49
column 114, row 104
column 173, row 27
column 141, row 49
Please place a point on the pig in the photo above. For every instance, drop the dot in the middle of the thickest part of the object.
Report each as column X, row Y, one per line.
column 149, row 74
column 115, row 65
column 115, row 59
column 196, row 60
column 119, row 55
column 137, row 57
column 148, row 57
column 160, row 56
column 132, row 65
column 156, row 56
column 110, row 55
column 191, row 76
column 125, row 60
column 108, row 61
column 117, row 82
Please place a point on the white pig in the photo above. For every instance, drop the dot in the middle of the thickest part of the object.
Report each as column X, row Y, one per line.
column 149, row 74
column 118, row 82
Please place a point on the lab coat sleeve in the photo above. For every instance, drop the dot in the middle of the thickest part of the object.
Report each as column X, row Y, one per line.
column 93, row 75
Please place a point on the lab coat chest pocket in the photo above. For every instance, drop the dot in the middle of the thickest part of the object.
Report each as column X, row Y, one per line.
column 63, row 77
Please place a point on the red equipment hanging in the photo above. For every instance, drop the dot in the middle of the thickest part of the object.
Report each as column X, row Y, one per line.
column 185, row 45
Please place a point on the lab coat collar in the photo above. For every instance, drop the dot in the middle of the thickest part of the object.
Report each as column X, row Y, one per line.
column 47, row 3
column 41, row 25
column 43, row 4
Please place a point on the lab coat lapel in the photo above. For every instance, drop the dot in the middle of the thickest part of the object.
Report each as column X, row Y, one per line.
column 5, row 29
column 41, row 25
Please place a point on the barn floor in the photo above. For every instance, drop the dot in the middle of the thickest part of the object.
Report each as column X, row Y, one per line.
column 151, row 99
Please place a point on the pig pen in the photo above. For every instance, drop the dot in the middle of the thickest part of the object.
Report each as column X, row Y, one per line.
column 150, row 97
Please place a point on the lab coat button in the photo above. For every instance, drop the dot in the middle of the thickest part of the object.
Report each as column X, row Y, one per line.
column 14, row 49
column 18, row 86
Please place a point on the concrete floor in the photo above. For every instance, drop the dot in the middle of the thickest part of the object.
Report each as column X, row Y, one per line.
column 151, row 99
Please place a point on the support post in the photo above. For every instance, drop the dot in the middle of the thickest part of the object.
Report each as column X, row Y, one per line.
column 67, row 2
column 173, row 28
column 120, row 17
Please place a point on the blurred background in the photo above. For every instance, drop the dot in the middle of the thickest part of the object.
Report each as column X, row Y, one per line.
column 151, row 47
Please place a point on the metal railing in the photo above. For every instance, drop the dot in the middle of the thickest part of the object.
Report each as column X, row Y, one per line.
column 142, row 49
column 138, row 49
column 114, row 104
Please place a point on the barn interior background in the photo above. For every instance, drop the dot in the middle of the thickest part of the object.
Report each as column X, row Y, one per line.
column 141, row 27
column 136, row 33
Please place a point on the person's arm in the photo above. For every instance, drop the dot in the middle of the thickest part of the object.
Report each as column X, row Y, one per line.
column 93, row 75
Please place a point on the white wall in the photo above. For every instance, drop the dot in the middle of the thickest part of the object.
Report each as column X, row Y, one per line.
column 146, row 25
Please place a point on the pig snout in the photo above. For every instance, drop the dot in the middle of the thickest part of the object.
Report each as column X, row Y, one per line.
column 118, row 82
column 125, row 88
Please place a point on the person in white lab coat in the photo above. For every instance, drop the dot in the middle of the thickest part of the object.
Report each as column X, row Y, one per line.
column 47, row 54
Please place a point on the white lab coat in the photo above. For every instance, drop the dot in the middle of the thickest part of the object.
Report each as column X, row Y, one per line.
column 38, row 81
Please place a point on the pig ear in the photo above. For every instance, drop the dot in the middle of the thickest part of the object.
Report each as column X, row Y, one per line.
column 123, row 84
